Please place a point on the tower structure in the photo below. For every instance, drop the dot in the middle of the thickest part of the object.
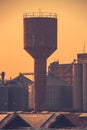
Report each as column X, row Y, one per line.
column 40, row 41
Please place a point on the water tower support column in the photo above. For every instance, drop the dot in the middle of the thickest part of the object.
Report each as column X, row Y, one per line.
column 40, row 84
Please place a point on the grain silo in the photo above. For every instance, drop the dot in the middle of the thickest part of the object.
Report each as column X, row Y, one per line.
column 77, row 87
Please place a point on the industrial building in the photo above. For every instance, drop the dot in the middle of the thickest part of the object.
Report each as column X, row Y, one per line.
column 14, row 95
column 80, row 83
column 62, row 71
column 21, row 98
column 19, row 90
column 76, row 73
column 65, row 71
column 59, row 94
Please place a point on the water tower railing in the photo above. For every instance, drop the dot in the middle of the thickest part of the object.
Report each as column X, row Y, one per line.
column 40, row 14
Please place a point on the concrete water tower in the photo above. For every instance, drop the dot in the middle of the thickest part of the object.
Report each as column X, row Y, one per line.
column 40, row 41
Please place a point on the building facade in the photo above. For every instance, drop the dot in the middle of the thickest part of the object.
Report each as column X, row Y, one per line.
column 59, row 94
column 62, row 71
column 14, row 95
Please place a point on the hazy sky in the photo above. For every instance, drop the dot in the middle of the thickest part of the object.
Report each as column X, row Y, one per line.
column 72, row 31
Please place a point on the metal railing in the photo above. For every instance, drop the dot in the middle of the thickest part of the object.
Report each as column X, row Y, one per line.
column 39, row 14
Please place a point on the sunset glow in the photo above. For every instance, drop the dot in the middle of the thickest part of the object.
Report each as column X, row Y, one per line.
column 72, row 31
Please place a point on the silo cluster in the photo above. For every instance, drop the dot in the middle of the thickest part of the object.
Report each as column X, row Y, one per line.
column 80, row 86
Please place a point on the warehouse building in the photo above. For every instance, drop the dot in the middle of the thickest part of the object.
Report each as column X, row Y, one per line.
column 14, row 95
column 62, row 71
column 76, row 75
column 59, row 94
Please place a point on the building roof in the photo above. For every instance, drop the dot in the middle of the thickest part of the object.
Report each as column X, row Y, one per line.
column 74, row 117
column 21, row 79
column 72, row 120
column 2, row 116
column 83, row 115
column 36, row 120
column 13, row 121
column 43, row 120
column 61, row 121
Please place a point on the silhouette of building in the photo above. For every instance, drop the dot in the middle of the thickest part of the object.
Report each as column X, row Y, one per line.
column 59, row 94
column 76, row 75
column 14, row 95
column 62, row 71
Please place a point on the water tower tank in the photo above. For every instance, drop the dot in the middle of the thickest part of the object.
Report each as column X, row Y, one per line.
column 40, row 41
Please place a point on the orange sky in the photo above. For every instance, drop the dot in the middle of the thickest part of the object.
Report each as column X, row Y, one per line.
column 72, row 31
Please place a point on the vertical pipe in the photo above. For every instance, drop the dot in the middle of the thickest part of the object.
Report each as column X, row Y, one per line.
column 40, row 85
column 77, row 87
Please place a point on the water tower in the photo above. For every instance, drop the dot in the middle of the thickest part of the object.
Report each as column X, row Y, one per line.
column 40, row 41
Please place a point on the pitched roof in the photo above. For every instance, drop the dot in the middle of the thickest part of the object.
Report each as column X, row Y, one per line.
column 36, row 120
column 2, row 116
column 13, row 121
column 5, row 120
column 74, row 118
column 43, row 120
column 61, row 121
column 52, row 119
column 22, row 79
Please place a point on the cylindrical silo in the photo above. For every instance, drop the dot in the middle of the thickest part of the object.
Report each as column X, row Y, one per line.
column 77, row 87
column 40, row 41
column 85, row 86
